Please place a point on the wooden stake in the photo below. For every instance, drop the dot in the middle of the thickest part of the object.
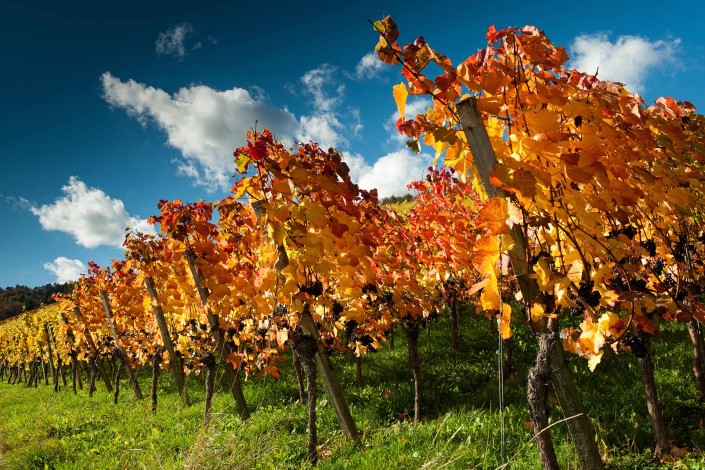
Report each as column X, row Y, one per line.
column 174, row 361
column 94, row 350
column 209, row 363
column 568, row 396
column 130, row 372
column 156, row 367
column 222, row 349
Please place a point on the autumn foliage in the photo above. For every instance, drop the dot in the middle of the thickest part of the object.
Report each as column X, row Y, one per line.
column 606, row 190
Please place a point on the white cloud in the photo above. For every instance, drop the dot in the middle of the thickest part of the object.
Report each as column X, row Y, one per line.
column 18, row 204
column 321, row 128
column 204, row 124
column 369, row 66
column 88, row 214
column 65, row 269
column 628, row 60
column 317, row 83
column 172, row 41
column 324, row 125
column 390, row 174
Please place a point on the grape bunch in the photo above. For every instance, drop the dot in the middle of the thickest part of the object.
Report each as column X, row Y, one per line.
column 681, row 250
column 650, row 246
column 314, row 288
column 658, row 267
column 636, row 346
column 590, row 297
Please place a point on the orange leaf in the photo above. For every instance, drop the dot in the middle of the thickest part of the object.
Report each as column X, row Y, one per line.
column 400, row 93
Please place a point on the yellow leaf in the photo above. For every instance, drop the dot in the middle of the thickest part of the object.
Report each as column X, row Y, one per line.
column 400, row 94
column 490, row 295
column 543, row 274
column 594, row 360
column 537, row 312
column 504, row 321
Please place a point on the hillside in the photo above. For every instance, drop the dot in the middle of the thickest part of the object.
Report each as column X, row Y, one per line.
column 15, row 300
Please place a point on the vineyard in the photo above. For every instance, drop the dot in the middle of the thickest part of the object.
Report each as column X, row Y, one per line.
column 564, row 224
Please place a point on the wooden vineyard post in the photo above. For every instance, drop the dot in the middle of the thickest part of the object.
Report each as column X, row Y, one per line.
column 94, row 351
column 411, row 329
column 696, row 337
column 156, row 367
column 174, row 361
column 298, row 369
column 111, row 324
column 223, row 349
column 209, row 364
column 306, row 347
column 646, row 367
column 561, row 378
column 47, row 333
column 330, row 381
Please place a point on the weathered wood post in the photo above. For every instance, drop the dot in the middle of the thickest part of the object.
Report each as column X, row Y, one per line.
column 130, row 371
column 561, row 378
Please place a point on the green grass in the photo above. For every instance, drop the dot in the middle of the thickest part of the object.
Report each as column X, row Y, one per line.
column 42, row 429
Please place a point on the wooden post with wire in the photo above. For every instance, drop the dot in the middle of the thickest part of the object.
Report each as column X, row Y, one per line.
column 561, row 378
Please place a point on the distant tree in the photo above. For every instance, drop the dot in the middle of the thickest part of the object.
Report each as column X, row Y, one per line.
column 15, row 300
column 396, row 199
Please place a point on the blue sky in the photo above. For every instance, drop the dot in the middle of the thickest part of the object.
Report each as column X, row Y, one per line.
column 107, row 108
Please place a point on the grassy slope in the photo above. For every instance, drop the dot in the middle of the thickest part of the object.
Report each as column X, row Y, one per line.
column 41, row 429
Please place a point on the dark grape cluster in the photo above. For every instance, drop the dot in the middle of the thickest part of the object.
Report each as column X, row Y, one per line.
column 618, row 283
column 668, row 282
column 628, row 231
column 658, row 267
column 314, row 288
column 350, row 326
column 538, row 256
column 636, row 345
column 590, row 297
column 650, row 246
column 638, row 285
column 366, row 289
column 681, row 250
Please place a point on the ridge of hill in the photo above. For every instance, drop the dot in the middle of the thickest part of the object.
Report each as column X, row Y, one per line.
column 18, row 299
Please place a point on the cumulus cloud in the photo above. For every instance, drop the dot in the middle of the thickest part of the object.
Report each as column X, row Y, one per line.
column 88, row 214
column 204, row 124
column 318, row 83
column 369, row 66
column 390, row 174
column 628, row 60
column 325, row 125
column 172, row 42
column 65, row 269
